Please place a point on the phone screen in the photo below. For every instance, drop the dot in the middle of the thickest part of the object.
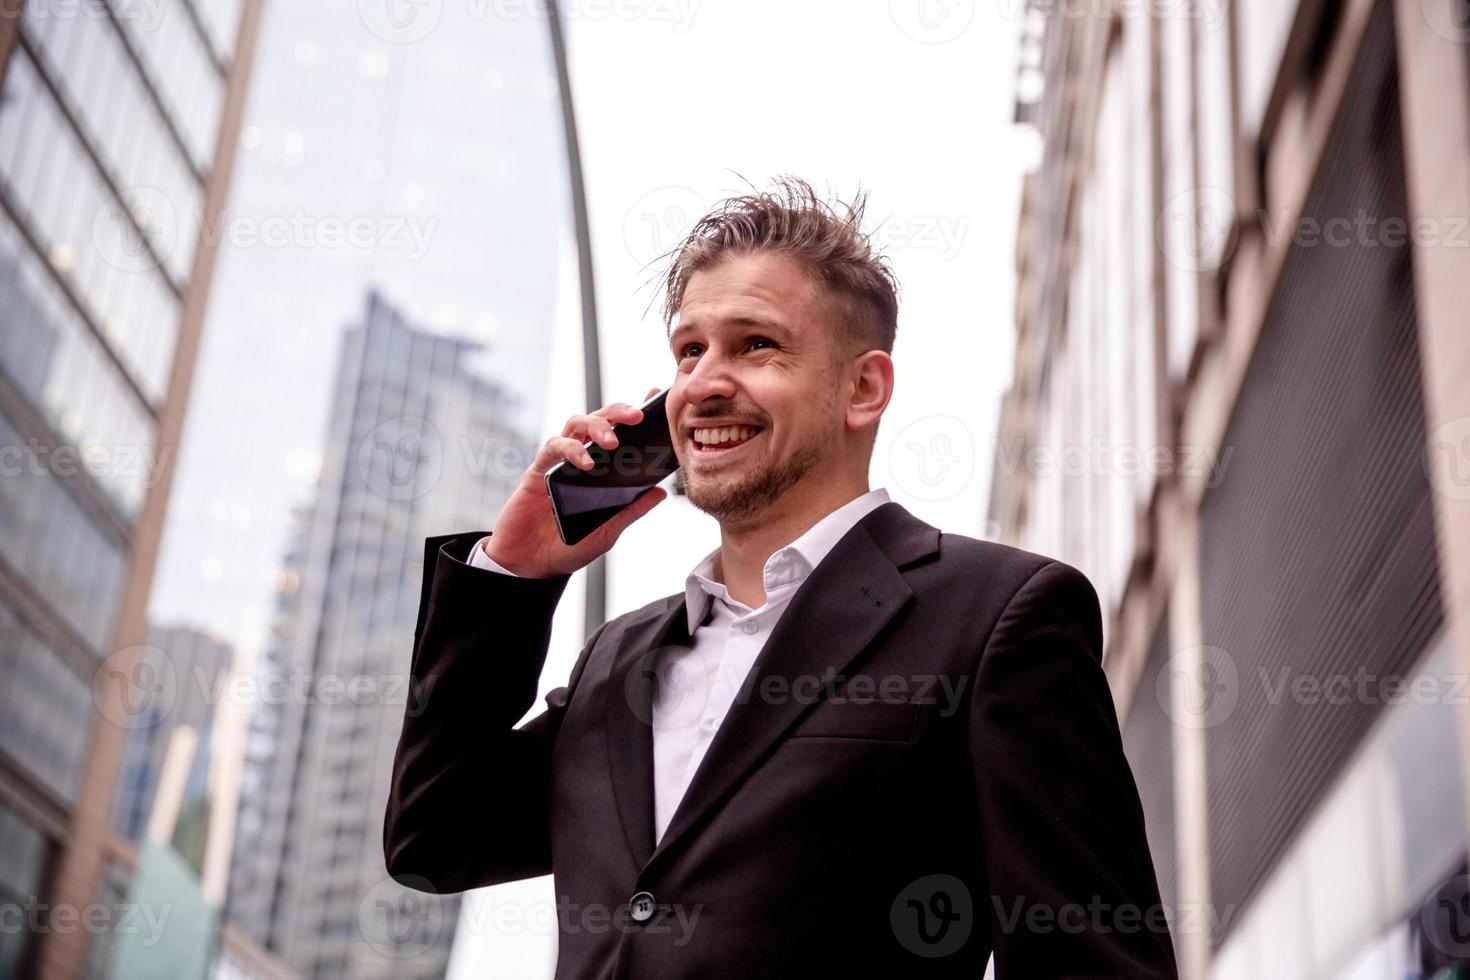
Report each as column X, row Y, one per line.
column 584, row 500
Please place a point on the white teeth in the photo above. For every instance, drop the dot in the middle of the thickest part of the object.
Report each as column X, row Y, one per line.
column 713, row 437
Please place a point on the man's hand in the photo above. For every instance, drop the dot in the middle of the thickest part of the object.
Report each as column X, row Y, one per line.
column 525, row 540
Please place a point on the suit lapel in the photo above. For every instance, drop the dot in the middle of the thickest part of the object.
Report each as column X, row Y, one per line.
column 629, row 719
column 841, row 607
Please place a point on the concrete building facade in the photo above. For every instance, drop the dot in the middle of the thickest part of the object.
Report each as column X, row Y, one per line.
column 1239, row 406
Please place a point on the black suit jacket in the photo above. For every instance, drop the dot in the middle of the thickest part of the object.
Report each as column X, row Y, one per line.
column 924, row 766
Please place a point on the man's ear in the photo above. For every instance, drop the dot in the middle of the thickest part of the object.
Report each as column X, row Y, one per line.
column 870, row 388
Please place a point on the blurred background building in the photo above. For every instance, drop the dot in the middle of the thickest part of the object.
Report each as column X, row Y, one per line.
column 1239, row 405
column 419, row 441
column 117, row 130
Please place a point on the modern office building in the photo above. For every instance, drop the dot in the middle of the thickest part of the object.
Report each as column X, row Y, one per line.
column 1239, row 405
column 194, row 670
column 421, row 441
column 118, row 130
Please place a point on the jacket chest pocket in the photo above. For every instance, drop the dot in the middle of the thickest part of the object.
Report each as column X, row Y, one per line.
column 851, row 716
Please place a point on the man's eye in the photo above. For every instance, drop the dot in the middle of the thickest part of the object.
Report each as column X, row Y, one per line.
column 763, row 340
column 687, row 348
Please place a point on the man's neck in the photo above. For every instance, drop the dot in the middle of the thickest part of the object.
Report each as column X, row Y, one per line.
column 744, row 550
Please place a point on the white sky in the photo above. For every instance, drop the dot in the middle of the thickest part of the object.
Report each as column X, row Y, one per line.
column 913, row 99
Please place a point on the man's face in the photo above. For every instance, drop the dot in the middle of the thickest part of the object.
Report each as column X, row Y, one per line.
column 752, row 345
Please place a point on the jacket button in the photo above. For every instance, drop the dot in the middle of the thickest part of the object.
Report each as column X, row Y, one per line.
column 641, row 907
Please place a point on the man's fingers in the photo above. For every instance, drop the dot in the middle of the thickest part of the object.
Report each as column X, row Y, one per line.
column 558, row 448
column 596, row 425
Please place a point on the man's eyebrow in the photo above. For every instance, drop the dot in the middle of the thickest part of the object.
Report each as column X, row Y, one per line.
column 759, row 322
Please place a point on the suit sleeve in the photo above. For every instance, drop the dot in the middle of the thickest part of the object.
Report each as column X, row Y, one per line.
column 468, row 801
column 1072, row 890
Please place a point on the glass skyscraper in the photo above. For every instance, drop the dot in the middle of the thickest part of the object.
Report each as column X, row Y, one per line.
column 115, row 140
column 421, row 439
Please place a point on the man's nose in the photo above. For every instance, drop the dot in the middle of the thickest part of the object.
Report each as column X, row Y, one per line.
column 712, row 377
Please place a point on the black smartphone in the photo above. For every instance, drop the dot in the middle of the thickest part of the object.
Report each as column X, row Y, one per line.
column 584, row 500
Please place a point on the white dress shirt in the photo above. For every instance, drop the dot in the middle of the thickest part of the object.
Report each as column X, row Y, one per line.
column 697, row 687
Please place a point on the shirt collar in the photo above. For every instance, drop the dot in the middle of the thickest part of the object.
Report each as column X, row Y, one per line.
column 788, row 565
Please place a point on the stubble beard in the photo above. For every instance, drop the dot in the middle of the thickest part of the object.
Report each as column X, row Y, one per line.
column 739, row 499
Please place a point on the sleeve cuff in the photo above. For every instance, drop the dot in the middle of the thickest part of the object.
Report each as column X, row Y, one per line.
column 479, row 559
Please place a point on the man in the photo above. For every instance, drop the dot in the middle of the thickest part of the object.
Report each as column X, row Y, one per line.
column 854, row 745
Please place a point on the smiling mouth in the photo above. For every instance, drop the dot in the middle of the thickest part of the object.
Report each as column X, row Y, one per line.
column 720, row 450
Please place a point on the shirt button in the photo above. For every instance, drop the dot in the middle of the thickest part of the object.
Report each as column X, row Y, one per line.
column 750, row 626
column 641, row 907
